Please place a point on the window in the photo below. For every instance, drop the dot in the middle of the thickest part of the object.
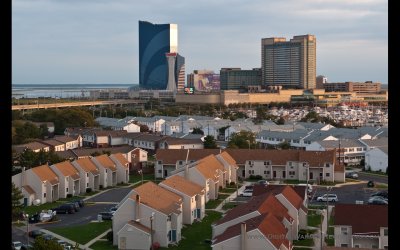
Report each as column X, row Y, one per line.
column 87, row 174
column 357, row 246
column 44, row 195
column 321, row 175
column 159, row 171
column 351, row 149
column 344, row 245
column 160, row 162
column 359, row 149
column 66, row 190
column 327, row 174
column 180, row 162
column 327, row 165
column 265, row 172
column 265, row 163
column 343, row 230
column 292, row 172
column 87, row 184
column 268, row 172
column 385, row 232
column 290, row 163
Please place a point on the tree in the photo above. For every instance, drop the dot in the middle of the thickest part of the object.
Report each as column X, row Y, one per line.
column 198, row 131
column 30, row 159
column 243, row 139
column 210, row 142
column 280, row 121
column 42, row 244
column 284, row 145
column 16, row 196
column 143, row 128
column 24, row 132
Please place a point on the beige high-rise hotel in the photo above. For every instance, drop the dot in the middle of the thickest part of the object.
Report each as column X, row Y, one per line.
column 290, row 64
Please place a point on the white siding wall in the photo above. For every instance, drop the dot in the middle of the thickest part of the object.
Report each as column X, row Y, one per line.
column 376, row 159
column 341, row 238
column 134, row 238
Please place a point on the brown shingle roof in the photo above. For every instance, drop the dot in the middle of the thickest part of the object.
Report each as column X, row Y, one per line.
column 120, row 157
column 178, row 141
column 228, row 158
column 158, row 198
column 88, row 151
column 292, row 197
column 28, row 189
column 67, row 169
column 139, row 226
column 46, row 174
column 263, row 204
column 106, row 162
column 35, row 145
column 52, row 142
column 171, row 156
column 88, row 166
column 317, row 158
column 362, row 218
column 209, row 166
column 288, row 191
column 182, row 185
column 65, row 139
column 267, row 224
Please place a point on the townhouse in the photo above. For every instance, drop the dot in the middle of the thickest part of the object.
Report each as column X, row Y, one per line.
column 107, row 169
column 179, row 143
column 168, row 160
column 149, row 142
column 230, row 166
column 118, row 124
column 35, row 146
column 122, row 165
column 193, row 197
column 139, row 159
column 89, row 174
column 352, row 229
column 147, row 212
column 42, row 181
column 376, row 154
column 154, row 124
column 54, row 145
column 70, row 142
column 68, row 177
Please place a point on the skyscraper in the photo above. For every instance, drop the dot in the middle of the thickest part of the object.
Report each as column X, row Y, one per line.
column 155, row 40
column 291, row 64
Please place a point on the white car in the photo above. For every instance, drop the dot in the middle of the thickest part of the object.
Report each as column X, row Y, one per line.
column 328, row 197
column 247, row 193
column 309, row 187
column 16, row 245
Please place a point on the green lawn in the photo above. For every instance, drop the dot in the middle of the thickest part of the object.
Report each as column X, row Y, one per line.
column 137, row 177
column 83, row 234
column 229, row 205
column 103, row 245
column 381, row 185
column 195, row 234
column 227, row 190
column 211, row 204
column 306, row 238
column 330, row 240
column 313, row 219
column 37, row 209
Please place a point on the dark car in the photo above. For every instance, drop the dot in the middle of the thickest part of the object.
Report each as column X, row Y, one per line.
column 48, row 237
column 65, row 209
column 35, row 233
column 34, row 218
column 75, row 204
column 383, row 193
column 80, row 202
column 106, row 215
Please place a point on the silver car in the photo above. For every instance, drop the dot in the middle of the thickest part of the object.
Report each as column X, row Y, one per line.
column 328, row 197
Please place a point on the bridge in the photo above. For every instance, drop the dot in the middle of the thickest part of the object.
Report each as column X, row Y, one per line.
column 75, row 104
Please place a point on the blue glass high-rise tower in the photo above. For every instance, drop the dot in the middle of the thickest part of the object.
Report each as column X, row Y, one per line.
column 155, row 40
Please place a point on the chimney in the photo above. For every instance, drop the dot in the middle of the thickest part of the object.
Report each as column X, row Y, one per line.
column 243, row 236
column 186, row 172
column 137, row 207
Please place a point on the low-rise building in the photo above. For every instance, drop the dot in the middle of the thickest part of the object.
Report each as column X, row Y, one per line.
column 68, row 177
column 90, row 175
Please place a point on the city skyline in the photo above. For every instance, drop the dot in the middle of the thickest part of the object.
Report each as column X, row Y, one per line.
column 97, row 42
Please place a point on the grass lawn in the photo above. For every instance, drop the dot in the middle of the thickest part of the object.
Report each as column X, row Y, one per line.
column 313, row 219
column 229, row 205
column 305, row 242
column 137, row 177
column 234, row 186
column 195, row 234
column 330, row 240
column 351, row 180
column 306, row 238
column 381, row 185
column 103, row 245
column 227, row 190
column 37, row 209
column 211, row 204
column 83, row 234
column 316, row 206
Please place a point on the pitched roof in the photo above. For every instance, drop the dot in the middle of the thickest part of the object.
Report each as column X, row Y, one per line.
column 209, row 166
column 171, row 156
column 28, row 189
column 259, row 189
column 179, row 141
column 45, row 173
column 267, row 224
column 362, row 218
column 52, row 142
column 139, row 226
column 106, row 162
column 266, row 203
column 34, row 145
column 287, row 191
column 88, row 151
column 64, row 138
column 87, row 165
column 228, row 158
column 182, row 185
column 158, row 198
column 67, row 169
column 121, row 159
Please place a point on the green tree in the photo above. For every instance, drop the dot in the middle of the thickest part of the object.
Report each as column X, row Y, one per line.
column 16, row 196
column 42, row 244
column 210, row 142
column 284, row 145
column 24, row 132
column 30, row 159
column 198, row 131
column 243, row 139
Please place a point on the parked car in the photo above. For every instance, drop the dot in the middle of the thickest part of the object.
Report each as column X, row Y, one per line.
column 383, row 193
column 247, row 193
column 107, row 215
column 113, row 209
column 352, row 175
column 328, row 197
column 76, row 205
column 16, row 245
column 249, row 187
column 263, row 182
column 377, row 200
column 34, row 218
column 35, row 233
column 48, row 237
column 80, row 202
column 65, row 209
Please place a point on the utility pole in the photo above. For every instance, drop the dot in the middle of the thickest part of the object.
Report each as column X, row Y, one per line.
column 151, row 229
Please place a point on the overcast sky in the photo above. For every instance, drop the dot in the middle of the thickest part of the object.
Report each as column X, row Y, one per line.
column 96, row 41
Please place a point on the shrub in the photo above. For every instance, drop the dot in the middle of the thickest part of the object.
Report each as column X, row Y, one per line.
column 88, row 190
column 231, row 183
column 255, row 177
column 69, row 195
column 110, row 236
column 101, row 186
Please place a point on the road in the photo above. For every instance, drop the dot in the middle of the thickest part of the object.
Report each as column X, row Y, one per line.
column 371, row 177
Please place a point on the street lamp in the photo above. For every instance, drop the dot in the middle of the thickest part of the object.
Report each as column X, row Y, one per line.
column 141, row 173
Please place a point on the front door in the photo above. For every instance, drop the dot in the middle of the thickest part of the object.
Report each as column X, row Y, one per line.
column 311, row 176
column 122, row 243
column 165, row 173
column 198, row 213
column 243, row 173
column 25, row 202
column 173, row 235
column 284, row 174
column 274, row 174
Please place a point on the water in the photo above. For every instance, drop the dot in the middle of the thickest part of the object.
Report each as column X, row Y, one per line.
column 62, row 90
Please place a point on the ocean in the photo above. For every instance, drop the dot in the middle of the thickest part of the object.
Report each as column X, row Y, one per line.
column 61, row 90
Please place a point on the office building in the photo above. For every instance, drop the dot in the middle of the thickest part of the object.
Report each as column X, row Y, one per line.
column 155, row 40
column 321, row 80
column 290, row 64
column 176, row 72
column 239, row 79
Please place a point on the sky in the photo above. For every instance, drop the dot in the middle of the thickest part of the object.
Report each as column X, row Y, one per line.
column 96, row 41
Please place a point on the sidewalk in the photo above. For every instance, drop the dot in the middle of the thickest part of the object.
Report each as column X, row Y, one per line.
column 230, row 198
